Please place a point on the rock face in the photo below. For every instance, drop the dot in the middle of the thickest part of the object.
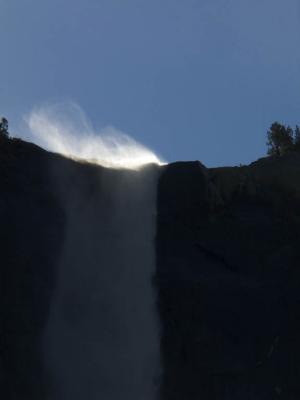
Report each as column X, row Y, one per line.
column 227, row 274
column 31, row 236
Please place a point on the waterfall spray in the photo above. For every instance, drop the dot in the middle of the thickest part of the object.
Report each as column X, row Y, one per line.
column 66, row 130
column 102, row 337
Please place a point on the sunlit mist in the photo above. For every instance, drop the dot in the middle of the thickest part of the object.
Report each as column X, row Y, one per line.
column 65, row 129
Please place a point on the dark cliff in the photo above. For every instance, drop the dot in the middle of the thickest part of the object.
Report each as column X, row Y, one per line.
column 228, row 263
column 228, row 277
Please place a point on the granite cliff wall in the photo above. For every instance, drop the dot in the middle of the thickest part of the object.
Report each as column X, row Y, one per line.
column 227, row 272
column 228, row 275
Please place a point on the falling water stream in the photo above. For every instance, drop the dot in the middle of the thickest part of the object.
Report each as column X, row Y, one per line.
column 101, row 341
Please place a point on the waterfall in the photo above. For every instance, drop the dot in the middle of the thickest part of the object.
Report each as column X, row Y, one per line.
column 101, row 341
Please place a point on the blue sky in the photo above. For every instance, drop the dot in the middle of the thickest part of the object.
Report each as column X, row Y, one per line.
column 192, row 79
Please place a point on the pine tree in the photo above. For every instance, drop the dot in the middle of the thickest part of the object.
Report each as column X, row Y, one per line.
column 280, row 139
column 297, row 138
column 3, row 127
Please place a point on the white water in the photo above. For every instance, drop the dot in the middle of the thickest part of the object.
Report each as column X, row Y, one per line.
column 64, row 128
column 102, row 337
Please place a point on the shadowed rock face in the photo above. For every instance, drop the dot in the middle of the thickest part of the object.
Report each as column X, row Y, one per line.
column 228, row 275
column 31, row 236
column 227, row 272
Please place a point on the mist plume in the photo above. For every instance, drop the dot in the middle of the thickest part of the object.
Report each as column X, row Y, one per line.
column 64, row 129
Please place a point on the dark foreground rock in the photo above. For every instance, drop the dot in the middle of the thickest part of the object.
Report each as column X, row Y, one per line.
column 31, row 234
column 228, row 272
